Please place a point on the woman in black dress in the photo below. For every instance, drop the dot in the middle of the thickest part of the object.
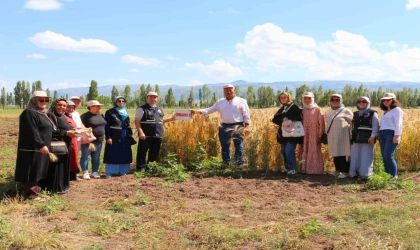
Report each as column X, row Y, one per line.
column 35, row 132
column 58, row 177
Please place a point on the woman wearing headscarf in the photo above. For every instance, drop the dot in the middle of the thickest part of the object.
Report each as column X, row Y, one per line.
column 34, row 144
column 118, row 155
column 58, row 177
column 391, row 127
column 314, row 125
column 365, row 130
column 74, row 150
column 339, row 118
column 288, row 111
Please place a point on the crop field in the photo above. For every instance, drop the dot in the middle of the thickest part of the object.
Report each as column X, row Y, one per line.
column 191, row 202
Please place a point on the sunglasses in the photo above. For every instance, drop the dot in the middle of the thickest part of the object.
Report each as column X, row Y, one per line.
column 362, row 101
column 121, row 101
column 44, row 100
column 334, row 100
column 386, row 100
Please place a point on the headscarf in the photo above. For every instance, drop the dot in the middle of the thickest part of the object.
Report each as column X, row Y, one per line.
column 364, row 110
column 313, row 104
column 70, row 103
column 54, row 105
column 341, row 101
column 121, row 110
column 289, row 96
column 32, row 104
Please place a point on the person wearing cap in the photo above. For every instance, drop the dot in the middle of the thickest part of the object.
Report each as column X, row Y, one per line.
column 235, row 117
column 34, row 144
column 391, row 127
column 365, row 123
column 314, row 125
column 338, row 121
column 74, row 152
column 149, row 124
column 75, row 115
column 284, row 117
column 93, row 119
column 118, row 155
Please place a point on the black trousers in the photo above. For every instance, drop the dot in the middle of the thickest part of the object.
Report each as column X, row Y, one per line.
column 341, row 164
column 151, row 145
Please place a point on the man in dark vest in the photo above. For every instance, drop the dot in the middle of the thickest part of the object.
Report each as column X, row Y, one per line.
column 149, row 124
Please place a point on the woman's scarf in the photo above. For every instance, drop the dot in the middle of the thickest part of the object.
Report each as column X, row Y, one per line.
column 32, row 104
column 341, row 101
column 121, row 110
column 313, row 104
column 289, row 97
column 53, row 107
column 364, row 110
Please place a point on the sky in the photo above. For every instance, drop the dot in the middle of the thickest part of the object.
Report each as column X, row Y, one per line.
column 67, row 43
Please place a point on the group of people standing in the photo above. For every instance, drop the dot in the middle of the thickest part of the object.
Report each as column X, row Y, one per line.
column 350, row 136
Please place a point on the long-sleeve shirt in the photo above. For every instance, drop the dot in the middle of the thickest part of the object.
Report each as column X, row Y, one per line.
column 233, row 111
column 76, row 118
column 97, row 123
column 393, row 120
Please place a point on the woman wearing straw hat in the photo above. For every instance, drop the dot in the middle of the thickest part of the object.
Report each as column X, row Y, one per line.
column 285, row 115
column 93, row 119
column 338, row 119
column 118, row 155
column 35, row 135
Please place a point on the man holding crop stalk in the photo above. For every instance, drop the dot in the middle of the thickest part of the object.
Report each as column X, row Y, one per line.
column 149, row 124
column 235, row 118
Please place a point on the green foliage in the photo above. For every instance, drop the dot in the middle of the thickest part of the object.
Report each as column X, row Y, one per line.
column 247, row 203
column 51, row 205
column 195, row 158
column 170, row 98
column 4, row 228
column 378, row 181
column 169, row 168
column 120, row 206
column 93, row 91
column 3, row 97
column 310, row 228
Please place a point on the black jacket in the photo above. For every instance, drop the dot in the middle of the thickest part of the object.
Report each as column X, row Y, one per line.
column 293, row 113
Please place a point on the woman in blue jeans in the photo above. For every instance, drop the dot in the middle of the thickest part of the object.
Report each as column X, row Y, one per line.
column 93, row 119
column 391, row 126
column 288, row 111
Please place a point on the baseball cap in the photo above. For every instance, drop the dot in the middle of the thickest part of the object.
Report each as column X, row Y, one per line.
column 39, row 93
column 152, row 93
column 388, row 96
column 228, row 86
column 76, row 97
column 93, row 103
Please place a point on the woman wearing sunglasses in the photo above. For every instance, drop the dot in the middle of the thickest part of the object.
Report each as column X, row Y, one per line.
column 35, row 135
column 118, row 135
column 364, row 132
column 390, row 131
column 338, row 120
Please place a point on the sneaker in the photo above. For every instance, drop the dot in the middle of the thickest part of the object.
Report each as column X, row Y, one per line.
column 332, row 173
column 86, row 176
column 96, row 175
column 284, row 171
column 393, row 180
column 291, row 172
column 107, row 176
column 342, row 176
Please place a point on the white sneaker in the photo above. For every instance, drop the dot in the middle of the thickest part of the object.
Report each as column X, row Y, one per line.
column 86, row 176
column 291, row 172
column 393, row 180
column 342, row 176
column 96, row 175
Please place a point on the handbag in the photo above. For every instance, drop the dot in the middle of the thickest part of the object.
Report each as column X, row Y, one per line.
column 324, row 137
column 296, row 130
column 116, row 133
column 131, row 140
column 362, row 134
column 87, row 136
column 59, row 148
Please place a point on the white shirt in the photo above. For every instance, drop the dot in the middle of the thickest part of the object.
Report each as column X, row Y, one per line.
column 233, row 111
column 393, row 120
column 76, row 118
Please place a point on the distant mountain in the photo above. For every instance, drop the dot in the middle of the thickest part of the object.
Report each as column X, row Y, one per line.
column 218, row 87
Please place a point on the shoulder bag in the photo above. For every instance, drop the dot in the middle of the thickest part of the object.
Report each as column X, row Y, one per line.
column 324, row 138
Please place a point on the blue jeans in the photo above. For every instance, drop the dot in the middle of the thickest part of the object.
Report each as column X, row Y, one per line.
column 94, row 155
column 288, row 152
column 226, row 133
column 388, row 150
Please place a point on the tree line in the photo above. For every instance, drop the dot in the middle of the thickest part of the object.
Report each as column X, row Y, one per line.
column 262, row 97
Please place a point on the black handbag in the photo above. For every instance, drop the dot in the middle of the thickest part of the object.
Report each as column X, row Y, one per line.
column 361, row 134
column 324, row 137
column 116, row 133
column 59, row 148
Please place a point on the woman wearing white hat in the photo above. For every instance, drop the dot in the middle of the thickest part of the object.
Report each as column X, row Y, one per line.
column 74, row 152
column 93, row 119
column 338, row 126
column 390, row 131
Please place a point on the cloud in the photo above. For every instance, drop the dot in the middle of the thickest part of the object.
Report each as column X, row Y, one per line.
column 219, row 68
column 43, row 5
column 172, row 58
column 148, row 62
column 346, row 56
column 196, row 83
column 65, row 85
column 412, row 4
column 210, row 12
column 118, row 80
column 36, row 56
column 52, row 40
column 134, row 70
column 233, row 11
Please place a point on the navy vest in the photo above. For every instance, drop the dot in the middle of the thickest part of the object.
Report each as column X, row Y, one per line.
column 152, row 121
column 365, row 120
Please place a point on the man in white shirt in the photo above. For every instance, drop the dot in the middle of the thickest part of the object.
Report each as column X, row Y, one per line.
column 235, row 117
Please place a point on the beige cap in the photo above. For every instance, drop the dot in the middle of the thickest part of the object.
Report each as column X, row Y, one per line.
column 336, row 95
column 152, row 93
column 388, row 96
column 93, row 103
column 39, row 93
column 228, row 86
column 308, row 94
column 75, row 98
